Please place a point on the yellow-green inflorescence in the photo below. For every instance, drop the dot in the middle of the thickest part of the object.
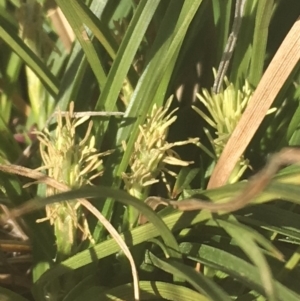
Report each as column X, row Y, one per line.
column 151, row 154
column 225, row 109
column 74, row 163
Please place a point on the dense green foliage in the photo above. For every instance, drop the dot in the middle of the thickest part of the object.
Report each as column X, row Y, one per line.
column 131, row 56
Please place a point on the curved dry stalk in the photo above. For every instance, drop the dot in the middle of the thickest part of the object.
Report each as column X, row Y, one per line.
column 42, row 178
column 254, row 187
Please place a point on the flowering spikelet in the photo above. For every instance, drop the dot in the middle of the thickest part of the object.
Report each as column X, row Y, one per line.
column 152, row 152
column 226, row 109
column 74, row 164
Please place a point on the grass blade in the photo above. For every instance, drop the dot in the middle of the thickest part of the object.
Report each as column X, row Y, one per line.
column 197, row 280
column 38, row 67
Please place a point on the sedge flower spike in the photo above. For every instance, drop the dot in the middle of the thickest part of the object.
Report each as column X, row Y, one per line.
column 225, row 110
column 74, row 163
column 152, row 153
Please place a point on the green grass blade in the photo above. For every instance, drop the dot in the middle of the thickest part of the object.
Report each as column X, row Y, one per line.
column 260, row 38
column 97, row 28
column 77, row 70
column 11, row 38
column 233, row 266
column 248, row 245
column 197, row 280
column 84, row 39
column 153, row 290
column 276, row 220
column 128, row 48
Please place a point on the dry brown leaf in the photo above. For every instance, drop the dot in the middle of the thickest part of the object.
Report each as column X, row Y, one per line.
column 280, row 68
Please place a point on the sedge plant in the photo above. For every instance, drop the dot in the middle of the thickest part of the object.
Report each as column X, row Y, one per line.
column 128, row 55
